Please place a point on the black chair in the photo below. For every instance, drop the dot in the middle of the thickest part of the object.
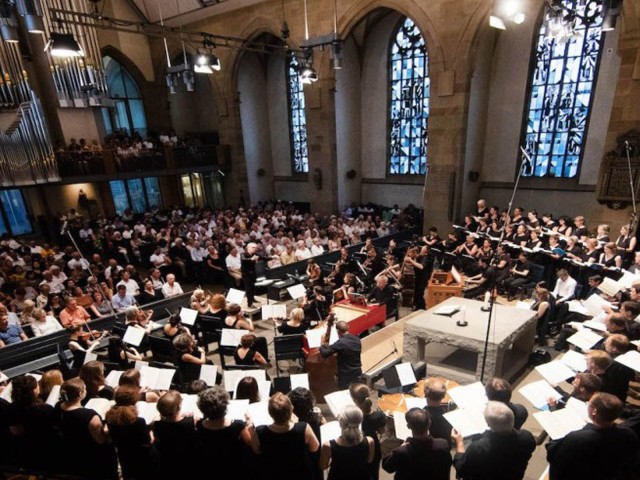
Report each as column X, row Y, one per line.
column 66, row 363
column 209, row 329
column 288, row 347
column 162, row 349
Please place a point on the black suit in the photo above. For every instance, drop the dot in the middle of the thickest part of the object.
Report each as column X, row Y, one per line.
column 592, row 453
column 248, row 269
column 496, row 456
column 383, row 296
column 440, row 427
column 418, row 458
column 348, row 348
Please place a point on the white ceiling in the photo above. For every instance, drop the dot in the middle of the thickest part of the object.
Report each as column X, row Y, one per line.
column 186, row 11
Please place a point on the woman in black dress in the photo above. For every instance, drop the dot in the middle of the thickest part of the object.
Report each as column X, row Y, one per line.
column 349, row 455
column 131, row 435
column 85, row 435
column 220, row 440
column 33, row 425
column 92, row 375
column 246, row 353
column 373, row 423
column 284, row 445
column 149, row 294
column 247, row 389
column 295, row 324
column 189, row 357
column 304, row 407
column 175, row 439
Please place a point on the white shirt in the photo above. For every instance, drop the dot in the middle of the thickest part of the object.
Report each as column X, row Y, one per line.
column 564, row 289
column 157, row 260
column 302, row 254
column 317, row 250
column 172, row 291
column 73, row 263
column 50, row 325
column 233, row 263
column 133, row 288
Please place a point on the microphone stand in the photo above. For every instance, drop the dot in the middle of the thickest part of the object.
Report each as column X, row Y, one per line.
column 492, row 297
column 393, row 352
column 632, row 223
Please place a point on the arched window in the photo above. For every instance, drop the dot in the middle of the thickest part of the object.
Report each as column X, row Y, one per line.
column 297, row 118
column 560, row 98
column 128, row 114
column 409, row 108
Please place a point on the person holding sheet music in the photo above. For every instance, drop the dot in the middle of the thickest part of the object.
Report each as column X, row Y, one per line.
column 499, row 390
column 247, row 354
column 33, row 427
column 349, row 455
column 304, row 407
column 131, row 436
column 584, row 384
column 609, row 257
column 85, row 435
column 348, row 348
column 600, row 450
column 295, row 323
column 221, row 441
column 284, row 445
column 175, row 439
column 49, row 380
column 131, row 378
column 374, row 423
column 500, row 454
column 236, row 319
column 618, row 376
column 626, row 245
column 122, row 354
column 614, row 380
column 92, row 375
column 421, row 455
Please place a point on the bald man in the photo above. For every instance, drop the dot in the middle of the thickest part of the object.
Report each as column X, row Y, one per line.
column 348, row 348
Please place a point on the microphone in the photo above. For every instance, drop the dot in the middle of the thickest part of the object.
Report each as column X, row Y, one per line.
column 64, row 228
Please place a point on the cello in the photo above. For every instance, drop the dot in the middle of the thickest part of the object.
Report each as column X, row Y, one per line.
column 322, row 371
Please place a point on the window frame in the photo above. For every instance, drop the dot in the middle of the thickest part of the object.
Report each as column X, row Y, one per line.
column 294, row 172
column 404, row 177
column 143, row 181
column 548, row 181
column 4, row 216
column 112, row 111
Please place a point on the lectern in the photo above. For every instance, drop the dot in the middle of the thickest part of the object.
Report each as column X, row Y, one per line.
column 442, row 285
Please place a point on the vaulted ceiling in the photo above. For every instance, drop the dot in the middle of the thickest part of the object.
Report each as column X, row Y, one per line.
column 185, row 11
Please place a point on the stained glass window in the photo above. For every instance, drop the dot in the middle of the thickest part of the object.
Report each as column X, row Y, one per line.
column 15, row 212
column 409, row 108
column 297, row 118
column 128, row 114
column 564, row 73
column 137, row 194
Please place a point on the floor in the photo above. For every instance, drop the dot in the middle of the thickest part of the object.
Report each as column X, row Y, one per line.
column 266, row 328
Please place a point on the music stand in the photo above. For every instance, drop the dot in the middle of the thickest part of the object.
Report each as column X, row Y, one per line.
column 392, row 382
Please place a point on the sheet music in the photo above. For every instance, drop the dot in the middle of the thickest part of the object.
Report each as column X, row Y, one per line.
column 6, row 393
column 447, row 310
column 133, row 336
column 628, row 279
column 113, row 379
column 538, row 393
column 299, row 380
column 560, row 422
column 89, row 357
column 258, row 413
column 231, row 336
column 400, row 426
column 236, row 409
column 406, row 374
column 235, row 296
column 595, row 304
column 140, row 364
column 297, row 291
column 54, row 395
column 576, row 306
column 415, row 402
column 314, row 336
column 584, row 339
column 330, row 431
column 337, row 400
column 469, row 396
column 609, row 287
column 467, row 421
column 274, row 311
column 100, row 405
column 579, row 407
column 209, row 373
column 594, row 325
column 230, row 378
column 188, row 316
column 555, row 372
column 574, row 360
column 190, row 406
column 630, row 359
column 156, row 378
column 148, row 411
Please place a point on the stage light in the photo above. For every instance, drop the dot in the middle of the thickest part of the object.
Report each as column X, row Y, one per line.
column 64, row 45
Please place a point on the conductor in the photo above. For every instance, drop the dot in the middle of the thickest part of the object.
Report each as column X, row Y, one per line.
column 248, row 268
column 348, row 348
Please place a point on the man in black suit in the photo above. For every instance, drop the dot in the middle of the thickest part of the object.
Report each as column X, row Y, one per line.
column 435, row 390
column 248, row 268
column 503, row 452
column 600, row 450
column 348, row 348
column 421, row 455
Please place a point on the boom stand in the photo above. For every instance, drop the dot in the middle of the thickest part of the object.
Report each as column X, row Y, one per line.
column 492, row 299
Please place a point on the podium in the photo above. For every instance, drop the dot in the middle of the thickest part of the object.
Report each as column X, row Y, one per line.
column 442, row 285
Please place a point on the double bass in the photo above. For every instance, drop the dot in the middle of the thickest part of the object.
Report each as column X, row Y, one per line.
column 322, row 371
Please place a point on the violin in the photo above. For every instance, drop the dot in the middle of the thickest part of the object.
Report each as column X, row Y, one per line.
column 92, row 335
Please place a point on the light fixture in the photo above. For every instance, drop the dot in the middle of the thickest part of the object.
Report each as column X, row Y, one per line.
column 63, row 45
column 8, row 22
column 171, row 83
column 207, row 63
column 611, row 10
column 189, row 80
column 31, row 12
column 336, row 53
column 308, row 74
column 506, row 10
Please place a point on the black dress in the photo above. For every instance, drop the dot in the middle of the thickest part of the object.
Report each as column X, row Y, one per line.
column 222, row 447
column 90, row 459
column 133, row 444
column 370, row 425
column 40, row 441
column 248, row 358
column 349, row 463
column 284, row 455
column 176, row 447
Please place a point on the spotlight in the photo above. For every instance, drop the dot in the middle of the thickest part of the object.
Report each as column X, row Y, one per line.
column 336, row 54
column 308, row 75
column 31, row 12
column 64, row 45
column 189, row 80
column 207, row 63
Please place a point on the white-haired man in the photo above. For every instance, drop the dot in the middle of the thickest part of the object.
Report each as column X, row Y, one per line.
column 248, row 261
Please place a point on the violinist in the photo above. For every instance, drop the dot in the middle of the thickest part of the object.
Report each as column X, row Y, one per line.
column 392, row 271
column 373, row 264
column 422, row 272
column 295, row 324
column 348, row 348
column 334, row 279
column 349, row 285
column 313, row 272
column 81, row 343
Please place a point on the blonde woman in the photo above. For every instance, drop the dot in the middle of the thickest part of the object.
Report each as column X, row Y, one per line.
column 44, row 324
column 200, row 302
column 295, row 323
